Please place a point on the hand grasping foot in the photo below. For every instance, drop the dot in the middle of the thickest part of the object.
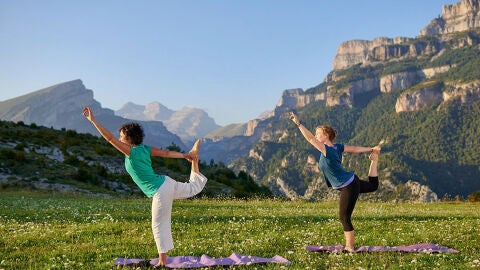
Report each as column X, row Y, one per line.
column 376, row 149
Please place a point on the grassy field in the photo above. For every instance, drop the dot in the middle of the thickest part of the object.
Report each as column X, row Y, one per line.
column 49, row 231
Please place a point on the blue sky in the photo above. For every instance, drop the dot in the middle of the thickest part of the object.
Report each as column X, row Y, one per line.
column 231, row 58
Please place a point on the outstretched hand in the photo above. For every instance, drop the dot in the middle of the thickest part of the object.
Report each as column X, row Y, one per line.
column 294, row 118
column 87, row 113
column 188, row 157
column 376, row 149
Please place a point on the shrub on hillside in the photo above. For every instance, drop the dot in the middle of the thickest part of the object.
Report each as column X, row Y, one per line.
column 474, row 197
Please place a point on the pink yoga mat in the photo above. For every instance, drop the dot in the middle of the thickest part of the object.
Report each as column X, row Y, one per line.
column 203, row 261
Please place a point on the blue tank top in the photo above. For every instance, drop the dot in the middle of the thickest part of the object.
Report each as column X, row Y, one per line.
column 331, row 165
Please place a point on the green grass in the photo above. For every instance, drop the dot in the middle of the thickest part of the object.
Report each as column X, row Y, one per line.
column 49, row 231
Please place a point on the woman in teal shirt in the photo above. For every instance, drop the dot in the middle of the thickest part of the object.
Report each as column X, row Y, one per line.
column 161, row 188
column 337, row 177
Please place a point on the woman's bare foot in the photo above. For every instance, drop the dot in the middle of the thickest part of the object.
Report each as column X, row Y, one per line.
column 195, row 150
column 162, row 261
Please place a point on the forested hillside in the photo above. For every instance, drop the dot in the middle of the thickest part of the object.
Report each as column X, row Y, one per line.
column 39, row 158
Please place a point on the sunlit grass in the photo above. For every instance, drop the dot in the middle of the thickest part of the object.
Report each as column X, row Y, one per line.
column 60, row 232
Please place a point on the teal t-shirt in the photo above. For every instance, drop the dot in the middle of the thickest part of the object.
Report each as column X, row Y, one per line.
column 139, row 166
column 331, row 166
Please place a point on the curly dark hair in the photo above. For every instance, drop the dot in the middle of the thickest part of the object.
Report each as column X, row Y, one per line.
column 133, row 133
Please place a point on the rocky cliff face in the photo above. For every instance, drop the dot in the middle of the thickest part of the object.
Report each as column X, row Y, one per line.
column 466, row 93
column 418, row 100
column 345, row 96
column 385, row 84
column 60, row 106
column 297, row 98
column 400, row 81
column 437, row 94
column 458, row 17
column 380, row 50
column 354, row 52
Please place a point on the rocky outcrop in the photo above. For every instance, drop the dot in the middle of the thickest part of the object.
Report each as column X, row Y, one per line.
column 315, row 188
column 345, row 96
column 386, row 84
column 251, row 125
column 417, row 100
column 466, row 93
column 354, row 52
column 420, row 193
column 338, row 97
column 399, row 81
column 296, row 98
column 430, row 72
column 407, row 79
column 382, row 50
column 457, row 17
column 437, row 94
column 254, row 154
column 283, row 188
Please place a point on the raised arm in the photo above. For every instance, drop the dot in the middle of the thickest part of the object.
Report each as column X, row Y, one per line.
column 308, row 135
column 106, row 134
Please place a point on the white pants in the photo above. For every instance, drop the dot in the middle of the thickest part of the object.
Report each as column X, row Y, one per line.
column 162, row 207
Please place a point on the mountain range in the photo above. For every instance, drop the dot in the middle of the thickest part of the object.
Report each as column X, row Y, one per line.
column 419, row 96
column 188, row 123
column 59, row 106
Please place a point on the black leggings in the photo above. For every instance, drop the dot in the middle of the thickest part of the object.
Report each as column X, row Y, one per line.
column 349, row 196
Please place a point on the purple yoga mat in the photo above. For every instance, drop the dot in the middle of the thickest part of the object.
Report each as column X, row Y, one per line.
column 203, row 261
column 421, row 248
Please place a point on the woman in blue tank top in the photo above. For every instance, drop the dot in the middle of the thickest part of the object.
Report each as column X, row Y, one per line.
column 161, row 188
column 337, row 177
